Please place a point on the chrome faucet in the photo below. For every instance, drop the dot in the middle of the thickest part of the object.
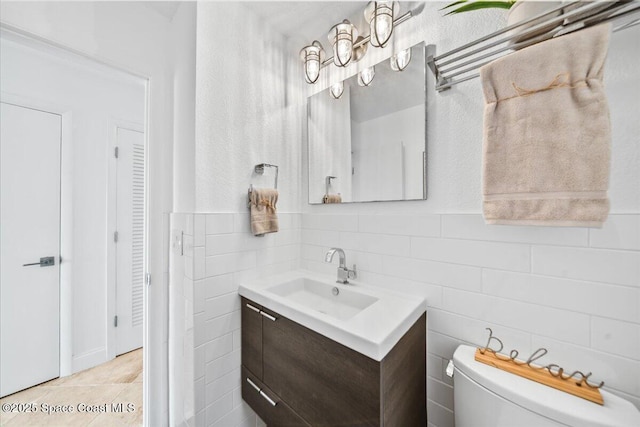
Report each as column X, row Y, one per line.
column 344, row 274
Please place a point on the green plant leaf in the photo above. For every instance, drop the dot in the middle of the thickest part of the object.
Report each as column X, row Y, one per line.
column 477, row 5
column 454, row 4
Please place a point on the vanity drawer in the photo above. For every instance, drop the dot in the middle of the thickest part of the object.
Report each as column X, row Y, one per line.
column 252, row 337
column 267, row 404
column 325, row 382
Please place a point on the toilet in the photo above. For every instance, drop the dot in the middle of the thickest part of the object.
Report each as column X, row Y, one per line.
column 488, row 396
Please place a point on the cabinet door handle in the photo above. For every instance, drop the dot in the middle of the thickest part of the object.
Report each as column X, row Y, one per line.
column 257, row 310
column 253, row 385
column 268, row 316
column 267, row 398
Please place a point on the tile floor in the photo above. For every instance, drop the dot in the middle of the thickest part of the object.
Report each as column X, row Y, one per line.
column 102, row 387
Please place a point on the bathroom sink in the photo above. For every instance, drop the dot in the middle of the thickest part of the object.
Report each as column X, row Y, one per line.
column 326, row 298
column 367, row 319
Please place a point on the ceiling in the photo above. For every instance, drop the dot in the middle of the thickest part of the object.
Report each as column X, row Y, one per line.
column 296, row 19
column 307, row 19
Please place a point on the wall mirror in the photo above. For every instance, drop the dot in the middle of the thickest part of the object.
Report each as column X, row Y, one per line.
column 370, row 143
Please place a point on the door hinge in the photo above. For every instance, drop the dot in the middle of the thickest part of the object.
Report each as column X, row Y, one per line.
column 115, row 236
column 147, row 279
column 115, row 321
column 116, row 152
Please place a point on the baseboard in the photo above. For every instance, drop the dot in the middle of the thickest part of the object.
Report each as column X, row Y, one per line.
column 89, row 359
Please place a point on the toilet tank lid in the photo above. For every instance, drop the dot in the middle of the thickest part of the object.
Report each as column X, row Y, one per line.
column 546, row 401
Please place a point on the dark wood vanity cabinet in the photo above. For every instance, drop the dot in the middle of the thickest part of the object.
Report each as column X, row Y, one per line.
column 267, row 404
column 293, row 376
column 252, row 337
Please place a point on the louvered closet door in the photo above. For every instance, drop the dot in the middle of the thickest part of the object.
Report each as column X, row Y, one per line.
column 130, row 240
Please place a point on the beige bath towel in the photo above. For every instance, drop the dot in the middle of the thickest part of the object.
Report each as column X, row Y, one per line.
column 264, row 218
column 546, row 145
column 332, row 198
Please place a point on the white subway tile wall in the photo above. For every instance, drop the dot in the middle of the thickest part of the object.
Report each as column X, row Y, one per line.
column 184, row 393
column 574, row 291
column 228, row 254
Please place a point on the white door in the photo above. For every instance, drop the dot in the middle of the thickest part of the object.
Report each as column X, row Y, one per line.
column 130, row 240
column 29, row 260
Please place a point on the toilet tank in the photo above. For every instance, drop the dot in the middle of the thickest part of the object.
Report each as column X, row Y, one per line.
column 491, row 397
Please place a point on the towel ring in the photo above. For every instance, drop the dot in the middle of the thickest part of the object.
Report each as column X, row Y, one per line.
column 259, row 170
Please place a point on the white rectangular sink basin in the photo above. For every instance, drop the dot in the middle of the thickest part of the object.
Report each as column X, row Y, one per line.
column 322, row 297
column 366, row 319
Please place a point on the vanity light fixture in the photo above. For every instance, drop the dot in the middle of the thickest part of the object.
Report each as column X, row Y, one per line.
column 342, row 37
column 348, row 47
column 380, row 15
column 312, row 57
column 337, row 89
column 400, row 60
column 365, row 77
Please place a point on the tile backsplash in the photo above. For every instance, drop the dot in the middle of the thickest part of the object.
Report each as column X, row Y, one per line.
column 224, row 254
column 574, row 291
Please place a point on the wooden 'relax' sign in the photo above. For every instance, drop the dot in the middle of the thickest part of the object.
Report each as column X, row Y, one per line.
column 551, row 375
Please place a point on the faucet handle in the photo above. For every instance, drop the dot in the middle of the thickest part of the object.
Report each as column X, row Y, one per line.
column 352, row 274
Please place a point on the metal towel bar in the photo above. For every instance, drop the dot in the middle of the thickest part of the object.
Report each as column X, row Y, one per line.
column 462, row 63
